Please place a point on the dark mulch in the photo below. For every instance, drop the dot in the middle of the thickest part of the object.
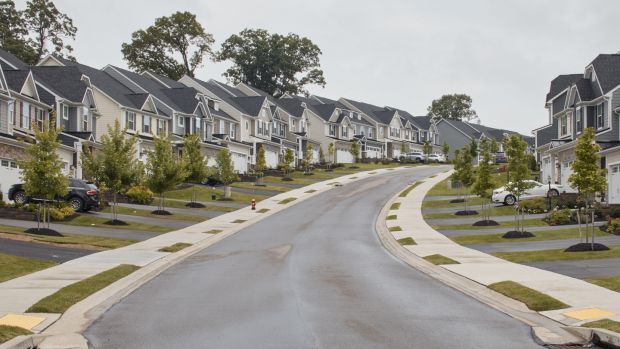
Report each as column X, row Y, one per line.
column 287, row 179
column 115, row 222
column 260, row 185
column 195, row 205
column 43, row 231
column 162, row 213
column 309, row 174
column 514, row 234
column 354, row 167
column 466, row 213
column 456, row 201
column 585, row 247
column 485, row 223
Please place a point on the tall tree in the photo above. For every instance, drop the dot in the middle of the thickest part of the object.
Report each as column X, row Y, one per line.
column 14, row 34
column 156, row 49
column 453, row 107
column 42, row 172
column 587, row 177
column 274, row 63
column 464, row 172
column 520, row 174
column 473, row 148
column 321, row 155
column 49, row 27
column 330, row 155
column 427, row 148
column 196, row 165
column 225, row 170
column 308, row 157
column 164, row 170
column 114, row 166
column 261, row 163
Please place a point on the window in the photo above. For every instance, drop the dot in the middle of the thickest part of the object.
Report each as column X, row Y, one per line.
column 369, row 133
column 146, row 124
column 5, row 163
column 130, row 122
column 181, row 121
column 601, row 118
column 344, row 131
column 579, row 120
column 381, row 131
column 564, row 125
column 85, row 121
column 12, row 113
column 25, row 115
column 293, row 125
column 161, row 127
column 247, row 125
column 233, row 131
column 332, row 130
column 40, row 113
column 65, row 112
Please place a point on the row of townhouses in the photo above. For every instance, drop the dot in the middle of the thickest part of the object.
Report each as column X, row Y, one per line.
column 577, row 101
column 239, row 118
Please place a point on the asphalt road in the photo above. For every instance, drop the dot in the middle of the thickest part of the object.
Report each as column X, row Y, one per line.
column 41, row 251
column 312, row 276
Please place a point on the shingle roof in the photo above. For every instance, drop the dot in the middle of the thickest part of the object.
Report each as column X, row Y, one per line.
column 423, row 122
column 560, row 83
column 607, row 67
column 137, row 99
column 45, row 96
column 584, row 87
column 324, row 100
column 149, row 85
column 63, row 81
column 10, row 61
column 184, row 97
column 325, row 111
column 163, row 79
column 15, row 78
column 251, row 105
column 292, row 106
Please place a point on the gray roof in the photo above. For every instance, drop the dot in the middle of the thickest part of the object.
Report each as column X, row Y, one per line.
column 292, row 106
column 16, row 78
column 184, row 97
column 584, row 87
column 224, row 92
column 163, row 79
column 607, row 67
column 65, row 82
column 45, row 96
column 465, row 128
column 423, row 122
column 384, row 116
column 325, row 111
column 560, row 83
column 369, row 110
column 325, row 100
column 250, row 105
column 10, row 61
column 150, row 86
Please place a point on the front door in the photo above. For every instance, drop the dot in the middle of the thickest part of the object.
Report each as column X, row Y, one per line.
column 614, row 184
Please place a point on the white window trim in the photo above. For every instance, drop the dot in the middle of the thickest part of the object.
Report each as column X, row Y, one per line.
column 181, row 121
column 65, row 112
column 130, row 123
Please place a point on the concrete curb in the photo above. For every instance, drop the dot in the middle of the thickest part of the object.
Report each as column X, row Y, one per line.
column 544, row 330
column 66, row 332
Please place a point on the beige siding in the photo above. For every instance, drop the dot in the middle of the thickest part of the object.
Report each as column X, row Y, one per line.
column 108, row 110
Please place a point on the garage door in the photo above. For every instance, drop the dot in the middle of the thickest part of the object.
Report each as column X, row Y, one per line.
column 614, row 184
column 271, row 158
column 566, row 172
column 9, row 175
column 315, row 155
column 240, row 162
column 343, row 157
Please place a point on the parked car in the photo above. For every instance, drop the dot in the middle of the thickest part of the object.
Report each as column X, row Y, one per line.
column 437, row 158
column 415, row 156
column 500, row 158
column 503, row 196
column 82, row 196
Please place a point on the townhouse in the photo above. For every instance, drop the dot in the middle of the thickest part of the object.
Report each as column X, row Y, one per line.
column 575, row 102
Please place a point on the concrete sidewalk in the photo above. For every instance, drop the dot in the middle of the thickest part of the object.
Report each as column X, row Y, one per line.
column 587, row 302
column 19, row 294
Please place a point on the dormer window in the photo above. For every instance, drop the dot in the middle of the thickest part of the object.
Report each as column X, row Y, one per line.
column 564, row 125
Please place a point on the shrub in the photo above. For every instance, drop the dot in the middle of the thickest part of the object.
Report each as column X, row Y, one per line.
column 140, row 195
column 615, row 213
column 2, row 203
column 535, row 205
column 60, row 213
column 386, row 161
column 613, row 227
column 559, row 217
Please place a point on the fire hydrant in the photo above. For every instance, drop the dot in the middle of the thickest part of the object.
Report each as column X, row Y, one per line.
column 253, row 204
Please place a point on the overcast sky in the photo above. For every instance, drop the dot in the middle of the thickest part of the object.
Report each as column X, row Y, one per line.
column 400, row 53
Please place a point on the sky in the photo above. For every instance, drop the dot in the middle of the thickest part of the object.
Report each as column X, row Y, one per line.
column 400, row 53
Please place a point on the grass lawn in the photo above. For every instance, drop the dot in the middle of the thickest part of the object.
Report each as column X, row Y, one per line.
column 306, row 180
column 147, row 213
column 397, row 228
column 286, row 201
column 203, row 193
column 213, row 231
column 409, row 189
column 391, row 217
column 310, row 191
column 612, row 283
column 556, row 255
column 438, row 259
column 85, row 220
column 606, row 324
column 182, row 204
column 175, row 248
column 406, row 241
column 12, row 266
column 509, row 224
column 263, row 210
column 239, row 221
column 471, row 201
column 534, row 300
column 395, row 206
column 495, row 211
column 250, row 185
column 540, row 236
column 441, row 188
column 66, row 239
column 9, row 332
column 67, row 296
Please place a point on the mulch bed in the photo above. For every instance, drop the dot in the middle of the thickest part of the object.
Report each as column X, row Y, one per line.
column 115, row 222
column 587, row 247
column 456, row 201
column 43, row 231
column 195, row 205
column 514, row 234
column 485, row 223
column 466, row 213
column 162, row 213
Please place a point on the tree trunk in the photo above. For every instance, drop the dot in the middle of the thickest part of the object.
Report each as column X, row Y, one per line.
column 114, row 206
column 227, row 192
column 579, row 225
column 593, row 230
column 193, row 194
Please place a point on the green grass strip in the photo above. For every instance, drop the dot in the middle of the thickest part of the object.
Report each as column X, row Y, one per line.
column 606, row 324
column 263, row 210
column 612, row 283
column 535, row 222
column 395, row 228
column 67, row 296
column 310, row 191
column 9, row 332
column 540, row 236
column 406, row 241
column 12, row 266
column 409, row 189
column 557, row 255
column 438, row 259
column 239, row 221
column 471, row 201
column 533, row 299
column 214, row 231
column 175, row 248
column 286, row 201
column 391, row 217
column 395, row 206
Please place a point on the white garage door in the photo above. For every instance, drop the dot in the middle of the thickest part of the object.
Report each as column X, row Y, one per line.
column 9, row 175
column 344, row 157
column 271, row 158
column 240, row 162
column 566, row 172
column 614, row 184
column 315, row 155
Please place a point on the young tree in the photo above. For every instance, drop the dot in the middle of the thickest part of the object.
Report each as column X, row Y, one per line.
column 466, row 174
column 473, row 148
column 403, row 149
column 42, row 172
column 520, row 174
column 164, row 170
column 114, row 166
column 321, row 155
column 274, row 63
column 14, row 34
column 287, row 161
column 453, row 107
column 445, row 149
column 261, row 163
column 587, row 177
column 456, row 175
column 225, row 170
column 49, row 26
column 427, row 149
column 156, row 49
column 196, row 165
column 330, row 154
column 484, row 182
column 355, row 151
column 308, row 157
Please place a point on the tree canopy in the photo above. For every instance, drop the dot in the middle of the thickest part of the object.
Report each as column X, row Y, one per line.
column 157, row 47
column 453, row 107
column 14, row 34
column 49, row 26
column 274, row 63
column 587, row 177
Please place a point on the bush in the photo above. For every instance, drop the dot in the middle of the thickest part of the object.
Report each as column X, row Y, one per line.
column 615, row 213
column 140, row 195
column 613, row 227
column 2, row 203
column 60, row 213
column 535, row 205
column 559, row 217
column 386, row 161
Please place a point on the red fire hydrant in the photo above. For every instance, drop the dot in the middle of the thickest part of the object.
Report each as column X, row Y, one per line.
column 253, row 204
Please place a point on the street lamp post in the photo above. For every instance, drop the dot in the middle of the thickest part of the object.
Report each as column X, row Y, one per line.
column 549, row 191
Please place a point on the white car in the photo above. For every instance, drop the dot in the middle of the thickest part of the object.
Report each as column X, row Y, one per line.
column 503, row 196
column 436, row 158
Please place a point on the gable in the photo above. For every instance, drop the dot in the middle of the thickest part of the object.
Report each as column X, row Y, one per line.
column 3, row 85
column 89, row 99
column 30, row 88
column 149, row 105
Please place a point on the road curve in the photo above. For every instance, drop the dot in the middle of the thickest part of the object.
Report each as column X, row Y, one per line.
column 312, row 276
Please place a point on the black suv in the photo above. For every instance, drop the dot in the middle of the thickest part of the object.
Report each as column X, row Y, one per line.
column 82, row 196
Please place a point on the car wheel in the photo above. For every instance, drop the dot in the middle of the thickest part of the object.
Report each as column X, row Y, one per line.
column 509, row 200
column 76, row 204
column 20, row 198
column 552, row 193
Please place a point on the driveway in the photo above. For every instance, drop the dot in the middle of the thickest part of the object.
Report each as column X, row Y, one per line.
column 41, row 251
column 312, row 276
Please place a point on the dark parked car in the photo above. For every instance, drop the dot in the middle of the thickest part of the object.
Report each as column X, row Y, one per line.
column 82, row 196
